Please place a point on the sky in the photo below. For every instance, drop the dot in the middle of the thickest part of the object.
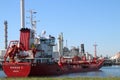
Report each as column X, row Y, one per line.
column 81, row 21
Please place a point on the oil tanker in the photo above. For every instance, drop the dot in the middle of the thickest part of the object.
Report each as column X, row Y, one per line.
column 33, row 55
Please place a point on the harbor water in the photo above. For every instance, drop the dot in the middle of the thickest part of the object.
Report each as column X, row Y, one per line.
column 108, row 71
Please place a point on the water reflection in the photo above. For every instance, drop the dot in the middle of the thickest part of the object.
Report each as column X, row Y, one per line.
column 2, row 74
column 98, row 73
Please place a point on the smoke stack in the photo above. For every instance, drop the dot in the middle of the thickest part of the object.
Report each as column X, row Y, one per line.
column 82, row 48
column 95, row 54
column 60, row 44
column 5, row 26
column 22, row 13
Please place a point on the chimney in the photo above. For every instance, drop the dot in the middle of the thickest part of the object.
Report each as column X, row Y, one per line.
column 22, row 13
column 82, row 48
column 5, row 26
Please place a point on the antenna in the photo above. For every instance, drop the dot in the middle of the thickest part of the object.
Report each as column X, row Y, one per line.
column 31, row 18
column 33, row 22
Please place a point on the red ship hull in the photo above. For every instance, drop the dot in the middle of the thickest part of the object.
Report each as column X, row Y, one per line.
column 44, row 69
column 16, row 69
column 66, row 68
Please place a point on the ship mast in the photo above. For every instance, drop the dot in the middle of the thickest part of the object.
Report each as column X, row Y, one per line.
column 22, row 13
column 33, row 22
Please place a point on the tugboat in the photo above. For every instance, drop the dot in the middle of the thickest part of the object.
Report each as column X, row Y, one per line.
column 32, row 56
